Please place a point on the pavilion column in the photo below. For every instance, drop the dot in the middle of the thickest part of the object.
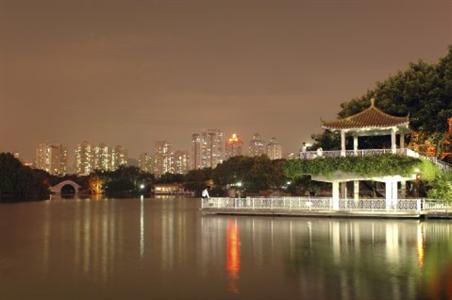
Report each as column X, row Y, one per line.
column 393, row 140
column 388, row 194
column 402, row 141
column 356, row 190
column 403, row 188
column 343, row 143
column 391, row 193
column 395, row 192
column 335, row 204
column 355, row 145
column 344, row 190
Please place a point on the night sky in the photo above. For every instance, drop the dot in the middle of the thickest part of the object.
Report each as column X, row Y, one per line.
column 132, row 72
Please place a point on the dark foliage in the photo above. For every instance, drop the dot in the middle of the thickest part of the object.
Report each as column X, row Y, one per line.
column 255, row 173
column 21, row 183
column 126, row 181
column 423, row 91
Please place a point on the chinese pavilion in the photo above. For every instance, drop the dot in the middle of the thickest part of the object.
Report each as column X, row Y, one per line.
column 370, row 122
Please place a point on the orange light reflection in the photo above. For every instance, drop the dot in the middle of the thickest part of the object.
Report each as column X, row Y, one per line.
column 233, row 255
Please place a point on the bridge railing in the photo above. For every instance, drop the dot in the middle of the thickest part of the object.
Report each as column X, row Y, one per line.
column 325, row 203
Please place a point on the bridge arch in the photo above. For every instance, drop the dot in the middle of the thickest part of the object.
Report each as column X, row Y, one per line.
column 56, row 189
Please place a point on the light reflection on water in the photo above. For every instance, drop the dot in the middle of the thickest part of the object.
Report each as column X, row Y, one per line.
column 164, row 249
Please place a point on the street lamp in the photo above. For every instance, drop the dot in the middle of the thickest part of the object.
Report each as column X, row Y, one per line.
column 142, row 186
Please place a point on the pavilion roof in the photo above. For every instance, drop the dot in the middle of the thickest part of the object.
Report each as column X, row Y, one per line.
column 371, row 117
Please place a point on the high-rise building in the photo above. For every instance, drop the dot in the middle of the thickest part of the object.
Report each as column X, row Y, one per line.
column 84, row 158
column 102, row 158
column 162, row 158
column 180, row 162
column 213, row 148
column 52, row 158
column 145, row 162
column 274, row 149
column 207, row 149
column 118, row 157
column 257, row 146
column 234, row 146
column 196, row 151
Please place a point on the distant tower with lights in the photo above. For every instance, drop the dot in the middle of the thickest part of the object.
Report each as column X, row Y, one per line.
column 119, row 157
column 163, row 159
column 274, row 149
column 207, row 149
column 196, row 151
column 180, row 162
column 256, row 146
column 52, row 158
column 84, row 158
column 145, row 163
column 234, row 146
column 102, row 157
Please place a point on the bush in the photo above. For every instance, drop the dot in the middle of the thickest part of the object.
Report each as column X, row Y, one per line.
column 441, row 187
column 369, row 166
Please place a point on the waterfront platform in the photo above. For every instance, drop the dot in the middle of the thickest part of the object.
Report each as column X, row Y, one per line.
column 322, row 207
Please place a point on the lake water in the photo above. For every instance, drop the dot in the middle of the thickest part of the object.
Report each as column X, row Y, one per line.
column 165, row 249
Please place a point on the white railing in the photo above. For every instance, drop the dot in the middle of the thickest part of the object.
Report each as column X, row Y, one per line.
column 359, row 152
column 437, row 205
column 321, row 204
column 441, row 164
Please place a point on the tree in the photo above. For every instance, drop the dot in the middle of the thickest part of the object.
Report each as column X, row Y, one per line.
column 21, row 183
column 196, row 180
column 423, row 91
column 441, row 187
column 254, row 173
column 232, row 170
column 127, row 181
column 96, row 184
column 171, row 178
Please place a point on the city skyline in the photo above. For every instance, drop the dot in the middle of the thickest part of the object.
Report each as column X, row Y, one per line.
column 209, row 148
column 125, row 73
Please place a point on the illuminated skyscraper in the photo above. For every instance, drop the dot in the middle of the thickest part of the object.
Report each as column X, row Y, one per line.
column 257, row 146
column 234, row 146
column 84, row 158
column 207, row 149
column 102, row 158
column 52, row 158
column 212, row 148
column 180, row 162
column 196, row 151
column 118, row 157
column 162, row 158
column 145, row 163
column 274, row 149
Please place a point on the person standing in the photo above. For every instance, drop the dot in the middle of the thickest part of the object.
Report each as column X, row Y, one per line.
column 205, row 192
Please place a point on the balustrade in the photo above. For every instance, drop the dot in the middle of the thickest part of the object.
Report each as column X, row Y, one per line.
column 319, row 204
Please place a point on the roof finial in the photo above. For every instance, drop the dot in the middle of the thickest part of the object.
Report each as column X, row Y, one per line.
column 372, row 102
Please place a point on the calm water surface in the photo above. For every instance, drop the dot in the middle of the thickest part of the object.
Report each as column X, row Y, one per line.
column 165, row 249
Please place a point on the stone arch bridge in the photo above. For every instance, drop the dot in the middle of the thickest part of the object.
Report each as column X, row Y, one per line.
column 56, row 189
